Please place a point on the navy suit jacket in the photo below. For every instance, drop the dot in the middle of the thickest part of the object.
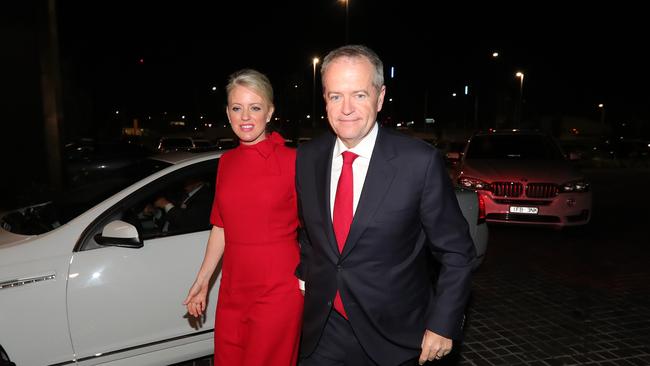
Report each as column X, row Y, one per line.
column 195, row 212
column 407, row 206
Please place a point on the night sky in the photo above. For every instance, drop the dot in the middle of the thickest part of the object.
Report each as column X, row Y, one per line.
column 573, row 58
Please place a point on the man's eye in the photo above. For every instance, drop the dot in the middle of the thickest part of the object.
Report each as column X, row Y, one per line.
column 361, row 96
column 334, row 97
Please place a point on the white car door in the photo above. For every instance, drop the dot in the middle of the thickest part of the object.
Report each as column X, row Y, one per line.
column 128, row 302
column 121, row 298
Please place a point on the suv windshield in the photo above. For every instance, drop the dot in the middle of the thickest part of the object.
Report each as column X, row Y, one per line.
column 39, row 219
column 521, row 147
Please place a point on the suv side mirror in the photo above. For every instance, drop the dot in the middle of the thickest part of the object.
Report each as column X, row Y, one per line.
column 453, row 155
column 119, row 234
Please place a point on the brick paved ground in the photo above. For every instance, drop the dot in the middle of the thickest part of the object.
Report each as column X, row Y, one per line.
column 533, row 319
column 572, row 297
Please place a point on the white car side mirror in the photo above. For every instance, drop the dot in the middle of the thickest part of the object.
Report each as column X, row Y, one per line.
column 119, row 234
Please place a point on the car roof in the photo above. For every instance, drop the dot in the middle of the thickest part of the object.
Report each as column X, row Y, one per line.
column 511, row 131
column 178, row 157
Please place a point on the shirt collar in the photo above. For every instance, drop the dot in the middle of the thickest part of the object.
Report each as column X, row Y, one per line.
column 364, row 147
column 192, row 192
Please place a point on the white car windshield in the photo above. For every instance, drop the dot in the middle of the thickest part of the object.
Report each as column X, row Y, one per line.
column 521, row 147
column 43, row 217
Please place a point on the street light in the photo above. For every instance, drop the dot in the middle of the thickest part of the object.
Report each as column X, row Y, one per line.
column 314, row 62
column 520, row 113
column 601, row 106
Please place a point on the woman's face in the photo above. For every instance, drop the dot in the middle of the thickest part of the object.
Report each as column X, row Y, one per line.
column 248, row 113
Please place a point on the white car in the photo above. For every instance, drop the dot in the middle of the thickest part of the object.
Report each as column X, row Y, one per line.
column 93, row 279
column 90, row 279
column 523, row 177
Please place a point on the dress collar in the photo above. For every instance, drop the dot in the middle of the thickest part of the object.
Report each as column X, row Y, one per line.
column 266, row 146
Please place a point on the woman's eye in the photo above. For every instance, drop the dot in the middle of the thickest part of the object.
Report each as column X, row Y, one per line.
column 236, row 109
column 256, row 109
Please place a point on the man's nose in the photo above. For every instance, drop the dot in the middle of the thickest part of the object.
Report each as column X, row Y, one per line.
column 347, row 107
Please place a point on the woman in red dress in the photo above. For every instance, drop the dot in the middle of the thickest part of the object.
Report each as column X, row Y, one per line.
column 255, row 221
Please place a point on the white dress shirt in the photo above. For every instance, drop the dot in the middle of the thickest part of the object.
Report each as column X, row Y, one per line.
column 170, row 205
column 359, row 166
column 359, row 171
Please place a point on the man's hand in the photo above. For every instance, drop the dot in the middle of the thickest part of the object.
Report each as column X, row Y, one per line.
column 161, row 202
column 434, row 347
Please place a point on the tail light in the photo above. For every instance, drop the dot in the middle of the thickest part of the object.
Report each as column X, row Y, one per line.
column 481, row 208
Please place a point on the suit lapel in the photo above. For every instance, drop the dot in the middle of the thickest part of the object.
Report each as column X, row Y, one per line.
column 378, row 179
column 323, row 171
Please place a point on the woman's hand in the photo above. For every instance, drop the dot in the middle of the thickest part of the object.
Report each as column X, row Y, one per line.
column 196, row 298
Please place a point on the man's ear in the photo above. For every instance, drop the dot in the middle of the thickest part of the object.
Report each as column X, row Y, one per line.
column 380, row 99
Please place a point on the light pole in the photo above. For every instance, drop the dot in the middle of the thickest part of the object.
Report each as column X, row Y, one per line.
column 520, row 111
column 314, row 62
column 347, row 21
column 601, row 106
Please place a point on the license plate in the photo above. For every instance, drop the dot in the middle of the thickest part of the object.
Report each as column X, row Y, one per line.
column 524, row 210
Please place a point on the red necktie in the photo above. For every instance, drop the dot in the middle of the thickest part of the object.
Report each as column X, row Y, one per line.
column 343, row 212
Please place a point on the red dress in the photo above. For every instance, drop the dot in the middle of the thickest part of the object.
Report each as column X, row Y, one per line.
column 259, row 310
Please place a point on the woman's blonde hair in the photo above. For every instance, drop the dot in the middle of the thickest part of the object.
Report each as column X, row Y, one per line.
column 254, row 80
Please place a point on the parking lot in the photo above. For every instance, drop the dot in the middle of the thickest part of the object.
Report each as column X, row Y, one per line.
column 574, row 297
column 546, row 297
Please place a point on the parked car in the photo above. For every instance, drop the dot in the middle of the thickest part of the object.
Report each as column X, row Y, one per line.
column 452, row 150
column 524, row 178
column 297, row 141
column 169, row 144
column 89, row 278
column 88, row 160
column 226, row 143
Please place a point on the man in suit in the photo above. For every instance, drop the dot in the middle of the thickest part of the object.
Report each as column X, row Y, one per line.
column 371, row 202
column 192, row 211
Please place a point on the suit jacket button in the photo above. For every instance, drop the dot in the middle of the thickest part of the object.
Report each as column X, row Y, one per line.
column 339, row 268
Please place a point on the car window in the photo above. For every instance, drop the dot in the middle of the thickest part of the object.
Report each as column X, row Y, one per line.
column 73, row 202
column 519, row 147
column 188, row 192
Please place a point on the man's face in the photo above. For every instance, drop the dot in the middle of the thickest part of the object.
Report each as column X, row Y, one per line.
column 352, row 101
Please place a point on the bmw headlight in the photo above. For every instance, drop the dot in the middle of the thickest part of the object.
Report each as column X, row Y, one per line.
column 473, row 183
column 577, row 186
